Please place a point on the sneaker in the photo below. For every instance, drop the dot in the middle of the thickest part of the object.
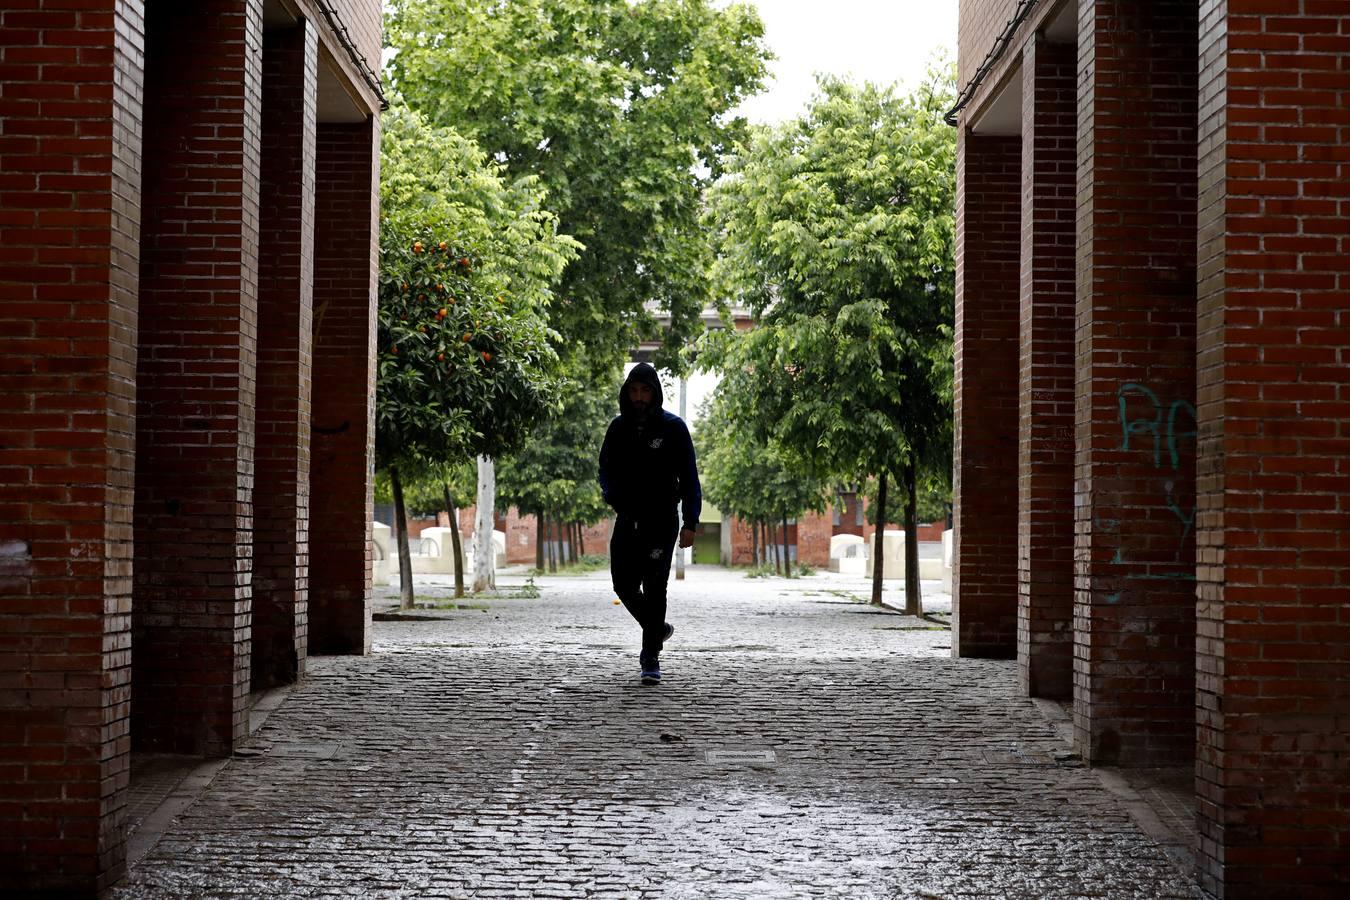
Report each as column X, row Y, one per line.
column 670, row 629
column 651, row 670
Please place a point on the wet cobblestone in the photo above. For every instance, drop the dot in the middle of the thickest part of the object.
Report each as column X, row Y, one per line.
column 511, row 752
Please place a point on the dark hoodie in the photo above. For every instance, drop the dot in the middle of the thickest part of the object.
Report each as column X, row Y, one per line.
column 647, row 461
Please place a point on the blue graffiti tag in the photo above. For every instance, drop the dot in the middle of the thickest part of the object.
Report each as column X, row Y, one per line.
column 1153, row 426
column 1169, row 429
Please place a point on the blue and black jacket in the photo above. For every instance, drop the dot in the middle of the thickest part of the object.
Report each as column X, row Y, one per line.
column 647, row 462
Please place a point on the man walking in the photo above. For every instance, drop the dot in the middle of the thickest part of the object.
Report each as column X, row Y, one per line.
column 647, row 468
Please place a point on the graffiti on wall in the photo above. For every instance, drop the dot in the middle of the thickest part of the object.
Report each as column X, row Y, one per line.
column 1166, row 432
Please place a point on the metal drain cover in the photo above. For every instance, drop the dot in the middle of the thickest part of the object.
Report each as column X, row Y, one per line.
column 731, row 757
column 304, row 751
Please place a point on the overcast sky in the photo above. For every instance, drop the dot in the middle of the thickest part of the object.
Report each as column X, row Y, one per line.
column 872, row 40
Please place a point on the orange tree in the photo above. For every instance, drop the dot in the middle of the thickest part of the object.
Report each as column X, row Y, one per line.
column 468, row 261
column 462, row 370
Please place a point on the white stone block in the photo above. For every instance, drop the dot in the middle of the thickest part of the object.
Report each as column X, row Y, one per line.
column 380, row 538
column 892, row 555
column 438, row 556
column 848, row 554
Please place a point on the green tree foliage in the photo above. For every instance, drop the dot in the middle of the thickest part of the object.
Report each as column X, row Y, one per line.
column 619, row 108
column 934, row 500
column 466, row 361
column 553, row 475
column 837, row 229
column 743, row 474
column 424, row 488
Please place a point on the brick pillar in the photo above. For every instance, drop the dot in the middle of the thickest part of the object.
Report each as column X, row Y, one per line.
column 70, row 184
column 1045, row 445
column 285, row 336
column 195, row 376
column 1273, row 532
column 1134, row 490
column 342, row 454
column 988, row 238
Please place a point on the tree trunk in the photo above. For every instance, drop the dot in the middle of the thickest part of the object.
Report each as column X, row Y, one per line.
column 455, row 540
column 405, row 582
column 777, row 549
column 913, row 598
column 787, row 556
column 570, row 546
column 539, row 541
column 877, row 562
column 754, row 545
column 484, row 559
column 552, row 547
column 581, row 538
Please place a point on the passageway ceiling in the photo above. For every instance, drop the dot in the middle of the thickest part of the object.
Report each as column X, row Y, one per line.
column 1003, row 114
column 337, row 100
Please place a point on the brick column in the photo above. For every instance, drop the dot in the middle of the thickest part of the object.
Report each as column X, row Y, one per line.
column 70, row 189
column 988, row 238
column 1134, row 490
column 285, row 337
column 1045, row 386
column 1273, row 532
column 345, row 268
column 195, row 376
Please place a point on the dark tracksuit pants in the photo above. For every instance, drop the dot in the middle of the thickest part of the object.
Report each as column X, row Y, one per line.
column 640, row 553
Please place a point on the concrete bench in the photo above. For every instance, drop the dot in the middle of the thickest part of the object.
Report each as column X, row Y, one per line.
column 848, row 554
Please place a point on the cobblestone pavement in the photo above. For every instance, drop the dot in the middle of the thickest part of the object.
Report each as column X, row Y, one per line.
column 802, row 745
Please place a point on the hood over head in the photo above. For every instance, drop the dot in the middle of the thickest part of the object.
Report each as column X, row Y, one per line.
column 645, row 374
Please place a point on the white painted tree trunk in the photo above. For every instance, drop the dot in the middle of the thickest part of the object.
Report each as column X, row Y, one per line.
column 484, row 555
column 679, row 551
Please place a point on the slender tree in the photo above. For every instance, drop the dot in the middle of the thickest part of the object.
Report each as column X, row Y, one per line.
column 742, row 475
column 466, row 360
column 837, row 229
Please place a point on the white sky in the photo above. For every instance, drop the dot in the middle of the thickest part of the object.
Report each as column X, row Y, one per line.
column 883, row 41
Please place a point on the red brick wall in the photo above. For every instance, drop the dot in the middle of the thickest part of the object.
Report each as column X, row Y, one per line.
column 285, row 336
column 813, row 533
column 988, row 247
column 811, row 536
column 195, row 377
column 1135, row 465
column 364, row 23
column 1273, row 535
column 69, row 221
column 343, row 399
column 522, row 535
column 979, row 24
column 1046, row 382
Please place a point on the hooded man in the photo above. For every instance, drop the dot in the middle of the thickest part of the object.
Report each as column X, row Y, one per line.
column 647, row 469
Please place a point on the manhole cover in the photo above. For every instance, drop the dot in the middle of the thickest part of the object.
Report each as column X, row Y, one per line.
column 725, row 757
column 304, row 751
